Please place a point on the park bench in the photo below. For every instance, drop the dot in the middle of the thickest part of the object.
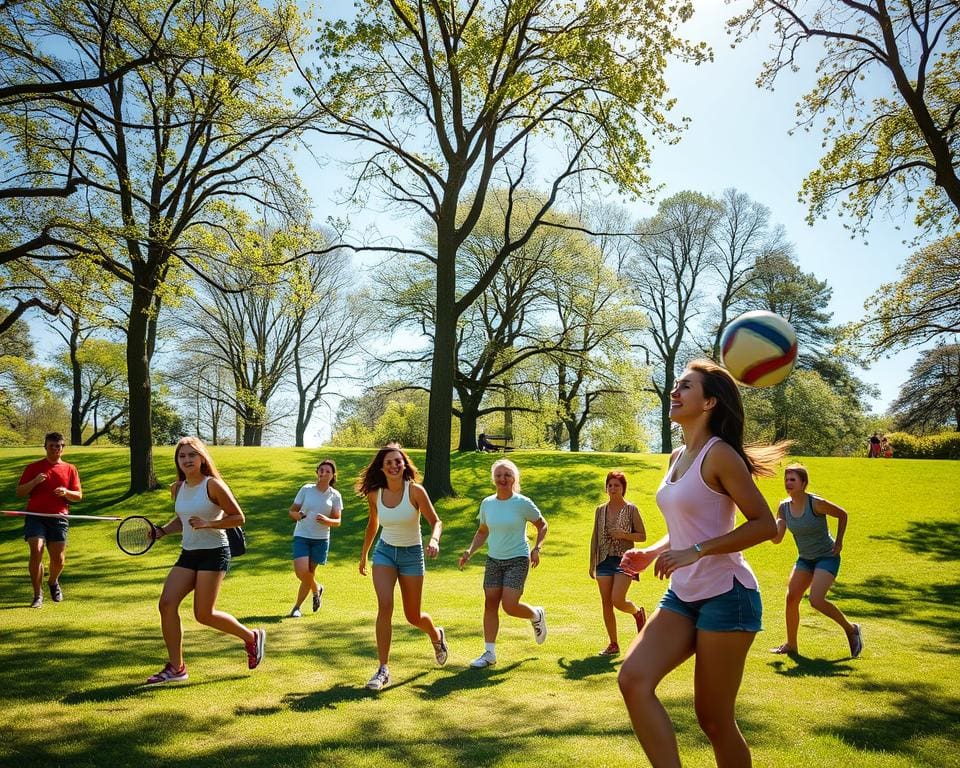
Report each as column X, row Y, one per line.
column 498, row 443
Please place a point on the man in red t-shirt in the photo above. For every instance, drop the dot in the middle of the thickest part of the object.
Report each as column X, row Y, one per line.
column 50, row 486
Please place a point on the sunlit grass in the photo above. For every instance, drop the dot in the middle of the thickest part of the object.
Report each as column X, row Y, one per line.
column 69, row 673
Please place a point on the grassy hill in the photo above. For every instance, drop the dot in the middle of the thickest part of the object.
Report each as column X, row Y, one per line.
column 70, row 672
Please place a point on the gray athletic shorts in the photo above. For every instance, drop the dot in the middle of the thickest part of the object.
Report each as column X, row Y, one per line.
column 510, row 573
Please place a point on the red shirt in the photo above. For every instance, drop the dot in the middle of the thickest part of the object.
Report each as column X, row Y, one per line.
column 42, row 498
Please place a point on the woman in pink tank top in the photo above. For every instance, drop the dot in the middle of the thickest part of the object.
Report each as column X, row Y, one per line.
column 712, row 610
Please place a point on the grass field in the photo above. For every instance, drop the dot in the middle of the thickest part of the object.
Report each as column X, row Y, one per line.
column 70, row 673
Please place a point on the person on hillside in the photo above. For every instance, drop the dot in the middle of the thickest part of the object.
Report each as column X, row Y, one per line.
column 886, row 450
column 616, row 526
column 396, row 502
column 483, row 444
column 818, row 564
column 712, row 609
column 205, row 508
column 503, row 522
column 50, row 486
column 874, row 446
column 317, row 508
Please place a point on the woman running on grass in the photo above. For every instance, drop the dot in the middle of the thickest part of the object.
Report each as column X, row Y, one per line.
column 396, row 503
column 712, row 609
column 316, row 509
column 818, row 564
column 204, row 507
column 503, row 525
column 616, row 526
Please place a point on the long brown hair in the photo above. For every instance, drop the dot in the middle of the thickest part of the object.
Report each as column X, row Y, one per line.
column 207, row 467
column 727, row 419
column 372, row 478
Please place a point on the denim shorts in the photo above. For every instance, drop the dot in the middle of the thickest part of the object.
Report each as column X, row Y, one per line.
column 830, row 564
column 511, row 573
column 407, row 560
column 610, row 566
column 315, row 549
column 217, row 559
column 738, row 610
column 52, row 531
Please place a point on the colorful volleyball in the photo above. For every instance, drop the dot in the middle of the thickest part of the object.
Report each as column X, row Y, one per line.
column 759, row 348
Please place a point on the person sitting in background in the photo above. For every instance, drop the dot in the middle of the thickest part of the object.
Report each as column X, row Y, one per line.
column 485, row 445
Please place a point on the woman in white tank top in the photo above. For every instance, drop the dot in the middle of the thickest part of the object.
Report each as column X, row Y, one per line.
column 712, row 609
column 205, row 508
column 396, row 502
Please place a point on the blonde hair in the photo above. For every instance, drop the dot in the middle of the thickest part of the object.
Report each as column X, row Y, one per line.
column 207, row 467
column 514, row 470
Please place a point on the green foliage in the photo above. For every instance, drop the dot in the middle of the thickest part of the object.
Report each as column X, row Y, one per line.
column 404, row 423
column 549, row 706
column 945, row 445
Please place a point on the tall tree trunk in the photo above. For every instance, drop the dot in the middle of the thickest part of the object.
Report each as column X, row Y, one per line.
column 666, row 426
column 142, row 477
column 468, row 424
column 440, row 411
column 573, row 429
column 76, row 404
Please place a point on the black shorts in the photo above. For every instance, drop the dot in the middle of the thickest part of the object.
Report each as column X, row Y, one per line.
column 204, row 559
column 51, row 531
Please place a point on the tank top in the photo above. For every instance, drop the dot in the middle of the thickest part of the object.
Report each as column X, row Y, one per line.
column 194, row 502
column 694, row 512
column 400, row 524
column 810, row 530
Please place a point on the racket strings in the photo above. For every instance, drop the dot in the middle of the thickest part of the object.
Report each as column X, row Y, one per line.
column 135, row 535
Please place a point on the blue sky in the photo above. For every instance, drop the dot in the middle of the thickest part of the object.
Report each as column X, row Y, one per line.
column 739, row 137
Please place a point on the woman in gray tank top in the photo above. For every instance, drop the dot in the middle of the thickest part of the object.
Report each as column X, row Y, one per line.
column 818, row 564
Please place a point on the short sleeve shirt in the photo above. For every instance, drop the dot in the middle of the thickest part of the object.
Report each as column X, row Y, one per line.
column 42, row 497
column 315, row 502
column 507, row 521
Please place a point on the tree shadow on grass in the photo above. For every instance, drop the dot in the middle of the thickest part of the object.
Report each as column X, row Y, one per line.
column 341, row 694
column 918, row 710
column 939, row 539
column 123, row 691
column 467, row 679
column 579, row 669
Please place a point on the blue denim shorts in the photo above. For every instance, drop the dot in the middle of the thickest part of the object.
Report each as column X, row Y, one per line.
column 830, row 564
column 610, row 566
column 217, row 559
column 315, row 549
column 51, row 531
column 407, row 560
column 738, row 610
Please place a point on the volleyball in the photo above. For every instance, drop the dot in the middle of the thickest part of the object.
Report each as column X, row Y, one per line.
column 759, row 348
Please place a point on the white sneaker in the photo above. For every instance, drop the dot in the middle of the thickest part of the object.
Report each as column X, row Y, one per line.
column 296, row 613
column 380, row 680
column 539, row 622
column 485, row 659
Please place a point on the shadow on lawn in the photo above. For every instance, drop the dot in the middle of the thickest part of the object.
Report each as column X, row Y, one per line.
column 939, row 539
column 579, row 669
column 804, row 666
column 917, row 710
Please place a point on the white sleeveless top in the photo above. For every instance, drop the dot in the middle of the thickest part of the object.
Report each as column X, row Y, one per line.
column 400, row 525
column 194, row 502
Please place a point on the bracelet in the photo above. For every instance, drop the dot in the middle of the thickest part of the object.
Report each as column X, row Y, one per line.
column 467, row 554
column 536, row 549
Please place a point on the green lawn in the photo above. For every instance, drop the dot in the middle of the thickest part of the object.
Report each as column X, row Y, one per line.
column 70, row 673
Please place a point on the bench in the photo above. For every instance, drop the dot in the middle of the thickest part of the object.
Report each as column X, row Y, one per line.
column 496, row 444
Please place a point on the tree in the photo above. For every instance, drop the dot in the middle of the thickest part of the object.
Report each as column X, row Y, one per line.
column 743, row 236
column 94, row 374
column 890, row 149
column 36, row 74
column 166, row 150
column 667, row 274
column 930, row 398
column 389, row 411
column 446, row 99
column 921, row 306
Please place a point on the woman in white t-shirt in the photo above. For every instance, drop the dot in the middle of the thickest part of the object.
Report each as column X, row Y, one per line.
column 397, row 502
column 317, row 509
column 503, row 526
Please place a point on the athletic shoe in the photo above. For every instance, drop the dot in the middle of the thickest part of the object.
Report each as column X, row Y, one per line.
column 318, row 599
column 37, row 602
column 641, row 618
column 485, row 659
column 440, row 648
column 856, row 641
column 168, row 675
column 56, row 594
column 295, row 613
column 611, row 650
column 539, row 622
column 380, row 680
column 255, row 648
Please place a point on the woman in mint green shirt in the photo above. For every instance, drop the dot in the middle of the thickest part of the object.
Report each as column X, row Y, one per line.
column 503, row 526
